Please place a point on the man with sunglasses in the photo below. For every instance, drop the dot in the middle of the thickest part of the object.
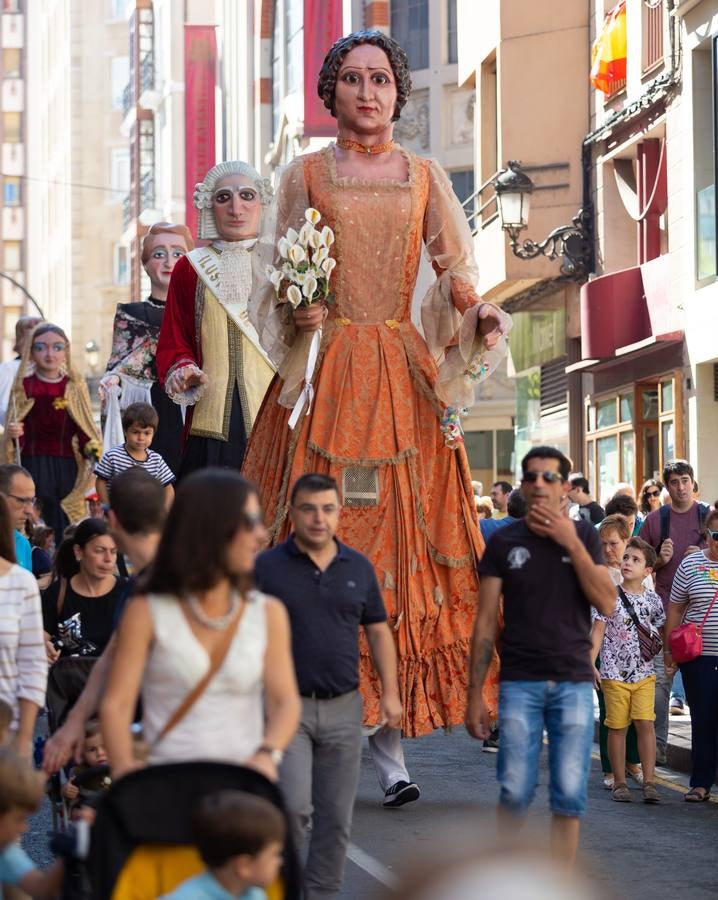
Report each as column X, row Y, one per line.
column 18, row 488
column 675, row 531
column 550, row 572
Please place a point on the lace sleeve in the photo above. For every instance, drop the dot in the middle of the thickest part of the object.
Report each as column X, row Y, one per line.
column 451, row 308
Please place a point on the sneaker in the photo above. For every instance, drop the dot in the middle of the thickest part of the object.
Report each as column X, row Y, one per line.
column 491, row 745
column 636, row 774
column 677, row 707
column 400, row 793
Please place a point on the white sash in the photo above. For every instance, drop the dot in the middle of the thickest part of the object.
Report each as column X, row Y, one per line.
column 205, row 262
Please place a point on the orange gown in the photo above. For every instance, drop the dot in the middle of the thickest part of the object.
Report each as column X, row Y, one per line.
column 374, row 423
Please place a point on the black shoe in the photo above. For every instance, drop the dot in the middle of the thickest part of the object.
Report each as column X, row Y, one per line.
column 400, row 793
column 492, row 744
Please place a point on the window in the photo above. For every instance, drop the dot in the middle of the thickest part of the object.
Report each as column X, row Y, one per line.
column 122, row 264
column 12, row 6
column 294, row 46
column 12, row 191
column 410, row 27
column 12, row 62
column 704, row 61
column 652, row 34
column 452, row 48
column 117, row 9
column 119, row 78
column 462, row 182
column 12, row 255
column 12, row 127
column 120, row 173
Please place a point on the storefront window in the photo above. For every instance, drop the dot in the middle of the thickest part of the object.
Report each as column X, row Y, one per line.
column 650, row 404
column 607, row 463
column 628, row 457
column 667, row 396
column 626, row 407
column 668, row 440
column 606, row 413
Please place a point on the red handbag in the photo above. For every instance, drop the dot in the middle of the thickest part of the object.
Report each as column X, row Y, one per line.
column 686, row 641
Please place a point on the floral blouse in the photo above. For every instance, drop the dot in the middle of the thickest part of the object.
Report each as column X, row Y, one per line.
column 620, row 651
column 134, row 340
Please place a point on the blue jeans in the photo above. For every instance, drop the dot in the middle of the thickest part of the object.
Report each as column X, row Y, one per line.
column 565, row 710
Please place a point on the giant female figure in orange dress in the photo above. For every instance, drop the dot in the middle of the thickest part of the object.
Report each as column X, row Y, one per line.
column 382, row 388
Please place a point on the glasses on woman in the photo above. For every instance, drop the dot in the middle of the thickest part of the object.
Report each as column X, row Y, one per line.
column 652, row 493
column 548, row 477
column 713, row 535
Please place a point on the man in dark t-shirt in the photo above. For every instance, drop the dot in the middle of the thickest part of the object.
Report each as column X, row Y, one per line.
column 550, row 571
column 579, row 493
column 330, row 591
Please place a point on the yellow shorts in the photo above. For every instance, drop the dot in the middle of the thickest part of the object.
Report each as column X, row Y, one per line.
column 627, row 702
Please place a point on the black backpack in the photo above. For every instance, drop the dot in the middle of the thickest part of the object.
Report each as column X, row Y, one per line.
column 703, row 510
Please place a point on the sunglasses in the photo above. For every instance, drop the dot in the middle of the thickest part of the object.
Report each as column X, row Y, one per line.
column 252, row 521
column 652, row 493
column 548, row 477
column 713, row 535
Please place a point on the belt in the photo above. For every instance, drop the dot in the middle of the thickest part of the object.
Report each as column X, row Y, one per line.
column 326, row 695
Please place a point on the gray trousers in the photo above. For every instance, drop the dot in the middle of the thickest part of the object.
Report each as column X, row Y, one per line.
column 663, row 697
column 319, row 778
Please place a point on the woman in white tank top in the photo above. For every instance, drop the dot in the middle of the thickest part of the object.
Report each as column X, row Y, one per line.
column 199, row 606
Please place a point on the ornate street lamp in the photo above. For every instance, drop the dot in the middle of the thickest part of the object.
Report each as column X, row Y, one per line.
column 572, row 242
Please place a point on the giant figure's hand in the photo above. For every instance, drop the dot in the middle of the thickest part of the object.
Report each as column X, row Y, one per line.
column 15, row 430
column 490, row 327
column 310, row 318
column 193, row 378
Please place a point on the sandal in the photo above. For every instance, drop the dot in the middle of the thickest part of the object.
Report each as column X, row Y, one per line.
column 608, row 781
column 695, row 795
column 621, row 794
column 650, row 793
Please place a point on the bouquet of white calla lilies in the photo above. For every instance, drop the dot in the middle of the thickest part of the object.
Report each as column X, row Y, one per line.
column 306, row 264
column 301, row 280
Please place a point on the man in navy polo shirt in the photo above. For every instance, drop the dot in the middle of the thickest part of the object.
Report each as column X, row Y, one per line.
column 330, row 591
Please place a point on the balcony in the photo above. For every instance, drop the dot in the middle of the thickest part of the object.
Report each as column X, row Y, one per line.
column 126, row 211
column 126, row 99
column 627, row 311
column 147, row 190
column 13, row 223
column 13, row 159
column 13, row 29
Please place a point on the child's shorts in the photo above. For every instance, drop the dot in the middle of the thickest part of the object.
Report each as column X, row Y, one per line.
column 627, row 702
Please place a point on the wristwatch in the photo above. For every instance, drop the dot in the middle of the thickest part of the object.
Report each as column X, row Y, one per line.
column 274, row 754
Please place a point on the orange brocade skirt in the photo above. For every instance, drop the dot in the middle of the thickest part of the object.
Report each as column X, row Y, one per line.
column 374, row 410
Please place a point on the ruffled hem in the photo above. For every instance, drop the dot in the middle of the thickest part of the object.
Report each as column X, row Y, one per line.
column 437, row 685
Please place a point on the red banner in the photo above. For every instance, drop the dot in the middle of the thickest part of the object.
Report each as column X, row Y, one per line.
column 323, row 25
column 200, row 68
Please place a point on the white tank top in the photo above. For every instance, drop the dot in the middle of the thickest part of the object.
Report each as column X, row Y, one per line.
column 226, row 723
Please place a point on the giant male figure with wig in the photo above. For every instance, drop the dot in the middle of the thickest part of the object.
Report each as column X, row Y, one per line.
column 383, row 390
column 209, row 356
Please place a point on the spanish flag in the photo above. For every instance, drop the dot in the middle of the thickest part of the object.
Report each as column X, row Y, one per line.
column 608, row 55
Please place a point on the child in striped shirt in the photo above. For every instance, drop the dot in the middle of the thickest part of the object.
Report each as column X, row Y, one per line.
column 139, row 423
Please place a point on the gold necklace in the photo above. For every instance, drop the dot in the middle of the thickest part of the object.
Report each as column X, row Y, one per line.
column 347, row 144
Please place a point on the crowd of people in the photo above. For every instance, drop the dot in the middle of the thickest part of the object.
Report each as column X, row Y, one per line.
column 350, row 580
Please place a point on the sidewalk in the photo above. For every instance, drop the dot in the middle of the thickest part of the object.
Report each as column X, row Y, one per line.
column 679, row 743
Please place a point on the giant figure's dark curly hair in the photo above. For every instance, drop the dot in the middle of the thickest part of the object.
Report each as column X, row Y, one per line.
column 326, row 86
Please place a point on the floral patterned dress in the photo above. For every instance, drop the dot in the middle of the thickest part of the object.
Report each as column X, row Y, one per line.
column 375, row 421
column 133, row 358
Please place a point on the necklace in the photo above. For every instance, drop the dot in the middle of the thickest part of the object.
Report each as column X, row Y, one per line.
column 347, row 144
column 221, row 622
column 158, row 304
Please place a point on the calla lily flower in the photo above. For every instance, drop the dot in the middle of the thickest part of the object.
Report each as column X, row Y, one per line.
column 304, row 234
column 327, row 236
column 320, row 255
column 276, row 277
column 283, row 246
column 310, row 286
column 315, row 239
column 297, row 254
column 327, row 266
column 313, row 216
column 292, row 236
column 294, row 295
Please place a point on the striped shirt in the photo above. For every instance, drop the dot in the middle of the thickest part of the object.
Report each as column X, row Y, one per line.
column 118, row 460
column 696, row 583
column 23, row 663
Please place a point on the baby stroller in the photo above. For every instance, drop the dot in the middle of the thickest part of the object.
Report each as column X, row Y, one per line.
column 141, row 841
column 65, row 682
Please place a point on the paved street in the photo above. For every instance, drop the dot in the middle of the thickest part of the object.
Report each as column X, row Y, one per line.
column 631, row 851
